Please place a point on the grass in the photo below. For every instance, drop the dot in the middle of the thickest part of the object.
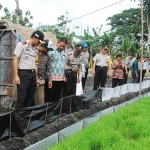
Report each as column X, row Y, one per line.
column 126, row 129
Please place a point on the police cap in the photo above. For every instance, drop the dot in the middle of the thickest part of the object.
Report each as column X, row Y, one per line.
column 78, row 48
column 38, row 34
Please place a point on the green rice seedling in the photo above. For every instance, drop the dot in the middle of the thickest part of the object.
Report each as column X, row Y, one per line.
column 126, row 129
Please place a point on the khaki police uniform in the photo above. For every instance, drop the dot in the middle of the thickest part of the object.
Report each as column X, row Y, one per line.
column 85, row 57
column 101, row 68
column 26, row 72
column 71, row 73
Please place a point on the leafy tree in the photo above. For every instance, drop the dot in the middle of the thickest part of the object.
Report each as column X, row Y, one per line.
column 59, row 29
column 23, row 20
column 127, row 22
column 146, row 8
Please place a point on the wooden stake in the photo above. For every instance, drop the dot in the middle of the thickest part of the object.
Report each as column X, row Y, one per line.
column 10, row 126
column 29, row 121
column 141, row 63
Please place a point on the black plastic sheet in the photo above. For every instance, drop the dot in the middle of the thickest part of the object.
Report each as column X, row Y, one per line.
column 28, row 119
column 4, row 125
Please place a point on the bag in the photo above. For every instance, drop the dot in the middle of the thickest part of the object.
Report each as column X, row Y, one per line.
column 79, row 90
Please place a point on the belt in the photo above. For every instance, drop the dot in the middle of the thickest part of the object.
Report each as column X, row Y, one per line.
column 27, row 70
column 102, row 66
column 73, row 71
column 68, row 72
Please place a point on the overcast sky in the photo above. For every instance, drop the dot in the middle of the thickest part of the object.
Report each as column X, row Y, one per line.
column 47, row 11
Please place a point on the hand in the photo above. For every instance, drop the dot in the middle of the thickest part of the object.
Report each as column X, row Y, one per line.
column 37, row 84
column 78, row 80
column 17, row 80
column 109, row 74
column 136, row 75
column 127, row 73
column 49, row 85
column 93, row 72
column 65, row 79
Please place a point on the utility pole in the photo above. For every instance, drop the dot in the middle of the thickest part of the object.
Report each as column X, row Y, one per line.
column 141, row 63
column 17, row 13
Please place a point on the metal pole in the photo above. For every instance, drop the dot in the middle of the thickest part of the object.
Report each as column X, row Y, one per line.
column 17, row 29
column 141, row 63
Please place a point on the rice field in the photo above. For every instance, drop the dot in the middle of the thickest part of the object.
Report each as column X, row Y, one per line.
column 126, row 129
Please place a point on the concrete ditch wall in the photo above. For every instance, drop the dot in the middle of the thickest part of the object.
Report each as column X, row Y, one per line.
column 113, row 93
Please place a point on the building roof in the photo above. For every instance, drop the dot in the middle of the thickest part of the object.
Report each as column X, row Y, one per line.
column 26, row 32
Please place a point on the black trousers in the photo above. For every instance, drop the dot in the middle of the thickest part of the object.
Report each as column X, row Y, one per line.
column 26, row 89
column 70, row 85
column 84, row 79
column 116, row 82
column 143, row 75
column 100, row 77
column 125, row 76
column 53, row 94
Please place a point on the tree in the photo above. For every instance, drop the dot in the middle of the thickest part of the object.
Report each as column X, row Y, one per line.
column 60, row 29
column 146, row 8
column 127, row 22
column 23, row 20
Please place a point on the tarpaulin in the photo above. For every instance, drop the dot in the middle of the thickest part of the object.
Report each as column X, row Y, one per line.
column 4, row 125
column 20, row 122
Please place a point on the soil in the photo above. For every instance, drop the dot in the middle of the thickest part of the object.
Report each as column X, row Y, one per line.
column 19, row 143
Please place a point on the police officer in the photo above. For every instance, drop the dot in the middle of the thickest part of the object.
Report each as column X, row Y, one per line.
column 25, row 55
column 100, row 68
column 128, row 63
column 73, row 70
column 85, row 57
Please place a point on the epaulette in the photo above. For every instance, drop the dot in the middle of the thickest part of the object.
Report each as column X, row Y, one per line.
column 24, row 42
column 69, row 54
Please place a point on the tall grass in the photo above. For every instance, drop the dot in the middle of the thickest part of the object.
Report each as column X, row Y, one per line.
column 126, row 129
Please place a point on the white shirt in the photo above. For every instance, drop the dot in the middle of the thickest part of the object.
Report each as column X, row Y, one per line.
column 26, row 54
column 101, row 60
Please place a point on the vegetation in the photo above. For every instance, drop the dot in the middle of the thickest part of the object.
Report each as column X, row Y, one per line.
column 128, row 128
column 60, row 29
column 23, row 20
column 124, row 35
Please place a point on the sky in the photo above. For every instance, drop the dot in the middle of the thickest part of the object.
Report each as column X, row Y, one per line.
column 46, row 12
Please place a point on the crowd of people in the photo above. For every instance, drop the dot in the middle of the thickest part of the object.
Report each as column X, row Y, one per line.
column 117, row 69
column 43, row 72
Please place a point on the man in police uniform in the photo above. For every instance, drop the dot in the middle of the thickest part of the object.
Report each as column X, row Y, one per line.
column 24, row 69
column 85, row 56
column 128, row 64
column 73, row 70
column 100, row 68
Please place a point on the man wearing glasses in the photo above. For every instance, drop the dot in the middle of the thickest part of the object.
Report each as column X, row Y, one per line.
column 100, row 68
column 24, row 69
column 57, row 62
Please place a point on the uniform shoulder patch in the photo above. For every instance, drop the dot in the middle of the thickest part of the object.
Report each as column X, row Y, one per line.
column 24, row 42
column 69, row 54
